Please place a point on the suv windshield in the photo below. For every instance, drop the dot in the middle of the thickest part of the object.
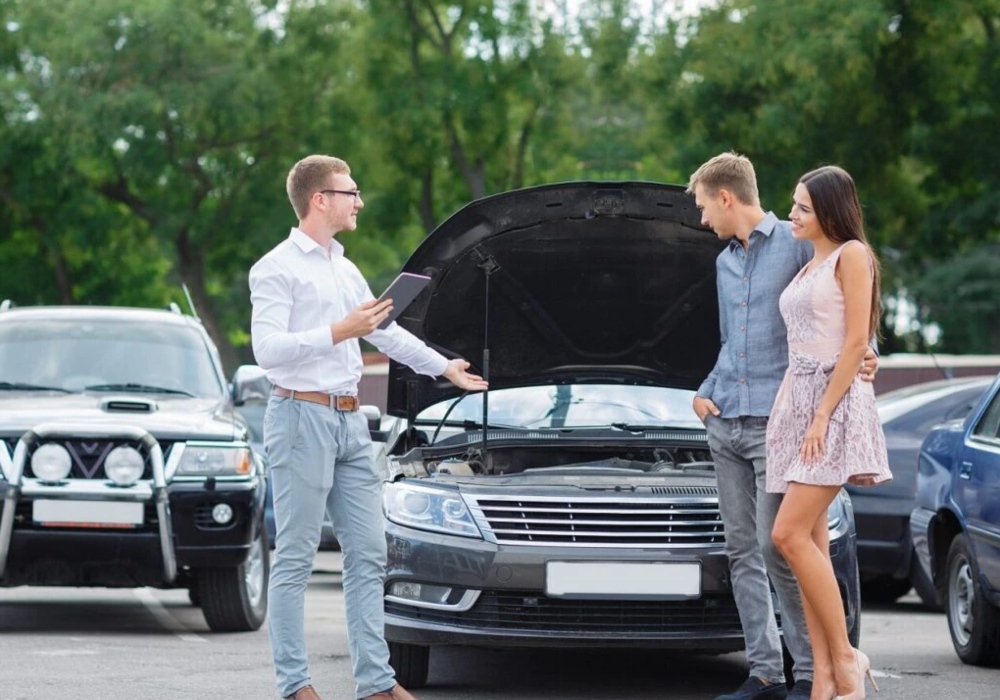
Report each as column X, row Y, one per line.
column 573, row 406
column 70, row 355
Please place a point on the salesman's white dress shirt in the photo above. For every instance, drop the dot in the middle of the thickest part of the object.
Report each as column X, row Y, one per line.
column 298, row 290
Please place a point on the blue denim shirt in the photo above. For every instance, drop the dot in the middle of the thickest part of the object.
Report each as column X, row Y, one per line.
column 754, row 352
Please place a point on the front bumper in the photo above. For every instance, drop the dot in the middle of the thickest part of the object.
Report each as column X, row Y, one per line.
column 507, row 604
column 499, row 596
column 920, row 524
column 176, row 531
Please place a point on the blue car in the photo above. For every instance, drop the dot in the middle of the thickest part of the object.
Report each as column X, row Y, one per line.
column 956, row 526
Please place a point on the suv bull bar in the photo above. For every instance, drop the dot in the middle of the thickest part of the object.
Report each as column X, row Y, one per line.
column 142, row 491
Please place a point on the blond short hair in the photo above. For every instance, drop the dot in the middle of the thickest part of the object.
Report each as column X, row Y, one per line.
column 309, row 176
column 727, row 171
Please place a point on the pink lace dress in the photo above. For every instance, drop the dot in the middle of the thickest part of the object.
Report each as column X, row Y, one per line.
column 812, row 306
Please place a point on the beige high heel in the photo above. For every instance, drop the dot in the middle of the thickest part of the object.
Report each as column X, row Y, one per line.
column 864, row 671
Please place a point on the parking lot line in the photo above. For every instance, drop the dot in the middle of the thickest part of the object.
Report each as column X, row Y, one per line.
column 163, row 616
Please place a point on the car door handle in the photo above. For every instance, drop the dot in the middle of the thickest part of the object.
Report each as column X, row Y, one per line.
column 965, row 470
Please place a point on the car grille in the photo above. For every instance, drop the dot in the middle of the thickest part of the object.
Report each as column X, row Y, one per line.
column 526, row 611
column 87, row 457
column 687, row 517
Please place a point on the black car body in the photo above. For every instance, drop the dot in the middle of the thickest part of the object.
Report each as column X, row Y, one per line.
column 885, row 552
column 955, row 526
column 123, row 463
column 587, row 514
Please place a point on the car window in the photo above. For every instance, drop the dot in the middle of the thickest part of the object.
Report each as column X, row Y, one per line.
column 72, row 354
column 920, row 420
column 988, row 427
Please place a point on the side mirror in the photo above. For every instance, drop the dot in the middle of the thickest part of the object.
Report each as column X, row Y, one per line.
column 374, row 417
column 250, row 384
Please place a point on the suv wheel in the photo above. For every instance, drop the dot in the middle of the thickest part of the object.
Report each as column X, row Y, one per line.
column 235, row 599
column 973, row 621
column 410, row 664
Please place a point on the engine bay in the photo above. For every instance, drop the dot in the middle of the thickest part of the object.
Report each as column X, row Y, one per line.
column 605, row 460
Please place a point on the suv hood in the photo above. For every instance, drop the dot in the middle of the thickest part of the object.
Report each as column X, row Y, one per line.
column 171, row 418
column 587, row 281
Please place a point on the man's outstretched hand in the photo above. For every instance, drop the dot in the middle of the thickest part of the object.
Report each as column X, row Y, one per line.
column 458, row 375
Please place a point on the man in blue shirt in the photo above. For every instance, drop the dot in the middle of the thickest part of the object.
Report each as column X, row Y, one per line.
column 735, row 401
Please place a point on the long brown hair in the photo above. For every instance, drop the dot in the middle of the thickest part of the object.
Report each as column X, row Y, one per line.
column 835, row 201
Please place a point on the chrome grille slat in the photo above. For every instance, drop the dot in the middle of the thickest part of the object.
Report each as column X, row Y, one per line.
column 687, row 518
column 607, row 523
column 597, row 533
column 593, row 511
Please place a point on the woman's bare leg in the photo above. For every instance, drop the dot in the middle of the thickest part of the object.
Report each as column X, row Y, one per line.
column 795, row 535
column 824, row 686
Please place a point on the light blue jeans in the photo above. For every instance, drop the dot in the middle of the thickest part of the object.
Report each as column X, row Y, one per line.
column 748, row 511
column 322, row 460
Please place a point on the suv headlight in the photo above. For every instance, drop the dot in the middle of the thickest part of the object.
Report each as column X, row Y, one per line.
column 428, row 509
column 51, row 462
column 124, row 465
column 215, row 460
column 836, row 514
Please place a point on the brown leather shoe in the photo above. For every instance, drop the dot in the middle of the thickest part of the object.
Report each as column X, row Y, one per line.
column 306, row 692
column 396, row 692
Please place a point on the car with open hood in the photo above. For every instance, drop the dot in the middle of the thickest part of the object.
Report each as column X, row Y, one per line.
column 575, row 503
column 123, row 462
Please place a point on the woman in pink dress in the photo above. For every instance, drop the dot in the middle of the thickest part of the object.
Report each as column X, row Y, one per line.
column 824, row 430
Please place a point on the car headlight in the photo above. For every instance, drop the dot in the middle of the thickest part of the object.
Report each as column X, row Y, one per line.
column 124, row 465
column 215, row 460
column 428, row 509
column 51, row 462
column 836, row 513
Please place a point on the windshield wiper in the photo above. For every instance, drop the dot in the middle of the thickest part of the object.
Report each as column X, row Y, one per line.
column 475, row 425
column 21, row 386
column 139, row 388
column 640, row 427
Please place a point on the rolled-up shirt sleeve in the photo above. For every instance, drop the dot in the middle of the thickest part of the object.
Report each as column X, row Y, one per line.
column 273, row 344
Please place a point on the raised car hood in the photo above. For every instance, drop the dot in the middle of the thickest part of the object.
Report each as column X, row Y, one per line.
column 173, row 418
column 608, row 282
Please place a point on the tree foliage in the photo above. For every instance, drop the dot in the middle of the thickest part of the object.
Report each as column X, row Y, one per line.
column 145, row 142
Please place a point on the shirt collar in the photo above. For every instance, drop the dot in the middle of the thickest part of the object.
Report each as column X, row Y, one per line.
column 308, row 245
column 766, row 227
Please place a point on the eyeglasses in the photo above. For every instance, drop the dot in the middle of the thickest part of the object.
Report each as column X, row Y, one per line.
column 354, row 193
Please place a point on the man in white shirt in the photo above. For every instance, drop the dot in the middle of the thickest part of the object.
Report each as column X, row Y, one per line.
column 310, row 306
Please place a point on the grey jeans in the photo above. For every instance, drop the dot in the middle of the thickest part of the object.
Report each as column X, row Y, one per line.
column 322, row 460
column 748, row 511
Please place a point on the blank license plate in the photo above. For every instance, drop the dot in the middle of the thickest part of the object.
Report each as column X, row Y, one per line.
column 114, row 514
column 655, row 580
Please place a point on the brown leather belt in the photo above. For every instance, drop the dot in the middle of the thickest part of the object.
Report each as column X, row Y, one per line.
column 340, row 403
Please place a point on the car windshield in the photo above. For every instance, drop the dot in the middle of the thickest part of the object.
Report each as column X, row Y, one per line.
column 72, row 355
column 573, row 406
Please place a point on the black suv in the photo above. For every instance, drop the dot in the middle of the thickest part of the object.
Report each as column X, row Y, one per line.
column 123, row 463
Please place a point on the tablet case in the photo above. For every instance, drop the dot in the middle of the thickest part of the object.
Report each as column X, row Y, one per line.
column 403, row 290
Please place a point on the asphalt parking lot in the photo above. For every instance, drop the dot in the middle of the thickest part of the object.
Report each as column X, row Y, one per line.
column 98, row 644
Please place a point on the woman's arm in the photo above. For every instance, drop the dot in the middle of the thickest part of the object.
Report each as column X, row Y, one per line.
column 855, row 276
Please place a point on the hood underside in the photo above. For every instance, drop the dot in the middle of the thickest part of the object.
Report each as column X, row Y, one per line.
column 575, row 282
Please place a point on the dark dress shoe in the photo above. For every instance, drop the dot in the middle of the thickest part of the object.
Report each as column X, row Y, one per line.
column 396, row 692
column 802, row 690
column 306, row 692
column 754, row 688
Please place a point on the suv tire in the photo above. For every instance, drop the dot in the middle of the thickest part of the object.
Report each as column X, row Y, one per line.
column 973, row 621
column 235, row 599
column 410, row 663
